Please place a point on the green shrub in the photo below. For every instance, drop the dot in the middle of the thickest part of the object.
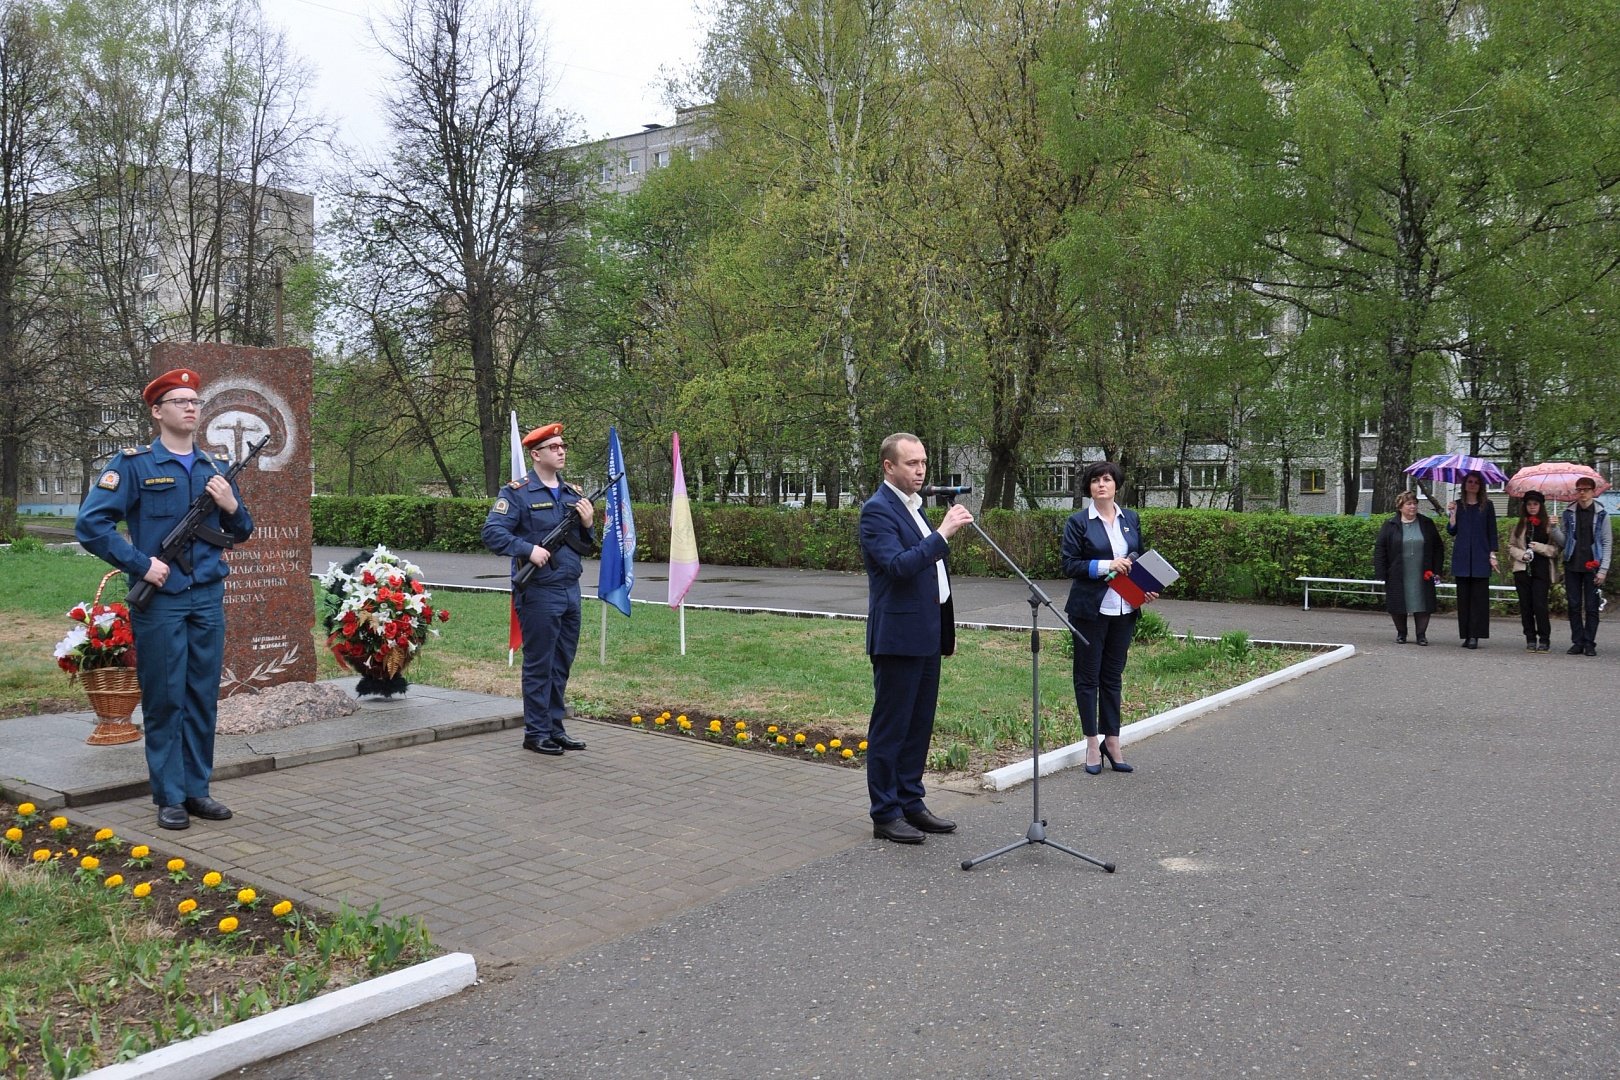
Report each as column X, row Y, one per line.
column 1151, row 627
column 1222, row 555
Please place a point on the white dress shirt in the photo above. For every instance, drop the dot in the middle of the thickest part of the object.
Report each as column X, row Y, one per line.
column 914, row 504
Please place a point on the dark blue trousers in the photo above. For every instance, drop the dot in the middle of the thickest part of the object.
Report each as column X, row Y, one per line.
column 1581, row 587
column 1099, row 670
column 549, row 619
column 906, row 690
column 179, row 649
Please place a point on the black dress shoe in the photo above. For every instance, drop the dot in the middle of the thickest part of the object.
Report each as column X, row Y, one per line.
column 1400, row 639
column 1471, row 643
column 173, row 817
column 568, row 742
column 927, row 822
column 1575, row 649
column 1423, row 639
column 543, row 746
column 212, row 809
column 899, row 830
column 1590, row 650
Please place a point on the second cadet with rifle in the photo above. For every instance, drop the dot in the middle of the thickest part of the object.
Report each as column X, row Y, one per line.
column 528, row 511
column 180, row 631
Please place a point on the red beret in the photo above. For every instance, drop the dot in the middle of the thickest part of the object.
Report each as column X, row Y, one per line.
column 171, row 380
column 541, row 434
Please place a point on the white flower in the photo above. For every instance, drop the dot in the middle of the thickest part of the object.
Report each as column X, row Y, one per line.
column 76, row 637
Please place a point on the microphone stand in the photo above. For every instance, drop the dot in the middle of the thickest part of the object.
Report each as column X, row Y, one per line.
column 1036, row 834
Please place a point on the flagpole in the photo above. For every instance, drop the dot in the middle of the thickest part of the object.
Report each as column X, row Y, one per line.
column 682, row 610
column 602, row 659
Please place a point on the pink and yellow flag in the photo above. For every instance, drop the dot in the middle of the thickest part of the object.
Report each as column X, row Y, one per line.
column 683, row 553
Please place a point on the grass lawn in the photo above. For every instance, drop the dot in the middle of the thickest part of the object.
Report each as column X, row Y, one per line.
column 767, row 669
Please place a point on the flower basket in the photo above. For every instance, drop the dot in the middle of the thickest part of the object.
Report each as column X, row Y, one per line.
column 114, row 693
column 100, row 652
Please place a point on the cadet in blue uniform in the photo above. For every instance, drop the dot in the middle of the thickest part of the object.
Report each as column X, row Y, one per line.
column 548, row 607
column 180, row 638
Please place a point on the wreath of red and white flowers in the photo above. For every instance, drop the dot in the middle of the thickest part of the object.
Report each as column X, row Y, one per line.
column 380, row 613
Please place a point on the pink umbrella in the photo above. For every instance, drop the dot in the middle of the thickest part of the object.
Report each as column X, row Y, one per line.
column 1554, row 479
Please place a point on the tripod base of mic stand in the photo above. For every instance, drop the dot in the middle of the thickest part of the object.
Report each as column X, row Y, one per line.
column 1037, row 835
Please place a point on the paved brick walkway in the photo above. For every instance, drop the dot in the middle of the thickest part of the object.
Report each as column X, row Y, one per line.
column 518, row 857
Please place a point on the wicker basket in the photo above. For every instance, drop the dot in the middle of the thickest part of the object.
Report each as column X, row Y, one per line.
column 114, row 692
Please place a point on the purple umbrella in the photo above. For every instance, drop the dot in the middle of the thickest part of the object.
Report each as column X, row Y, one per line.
column 1451, row 468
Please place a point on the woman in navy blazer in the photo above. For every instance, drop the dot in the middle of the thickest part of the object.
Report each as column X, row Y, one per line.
column 1099, row 541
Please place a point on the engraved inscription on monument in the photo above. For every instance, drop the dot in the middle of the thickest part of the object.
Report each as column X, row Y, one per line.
column 269, row 605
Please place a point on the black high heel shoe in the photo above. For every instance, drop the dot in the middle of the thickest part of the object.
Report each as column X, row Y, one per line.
column 1117, row 766
column 1097, row 768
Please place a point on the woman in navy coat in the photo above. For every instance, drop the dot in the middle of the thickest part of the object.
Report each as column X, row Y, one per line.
column 1100, row 541
column 1472, row 520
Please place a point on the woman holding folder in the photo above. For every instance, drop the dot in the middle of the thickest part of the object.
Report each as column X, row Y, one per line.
column 1100, row 542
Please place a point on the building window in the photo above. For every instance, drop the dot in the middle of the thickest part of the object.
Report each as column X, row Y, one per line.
column 632, row 164
column 264, row 215
column 149, row 266
column 1423, row 425
column 233, row 275
column 661, row 159
column 1369, row 425
column 1207, row 476
column 108, row 414
column 58, row 485
column 150, row 298
column 1312, row 481
column 1159, row 476
column 1049, row 479
column 1366, row 479
column 40, row 483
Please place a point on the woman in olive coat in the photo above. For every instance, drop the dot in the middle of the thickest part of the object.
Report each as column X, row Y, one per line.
column 1409, row 556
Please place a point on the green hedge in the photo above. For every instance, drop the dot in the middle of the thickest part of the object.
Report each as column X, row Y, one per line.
column 1222, row 555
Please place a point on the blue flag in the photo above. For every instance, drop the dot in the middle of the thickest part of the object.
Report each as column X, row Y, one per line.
column 618, row 535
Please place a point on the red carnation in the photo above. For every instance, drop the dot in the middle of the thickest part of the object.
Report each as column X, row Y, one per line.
column 444, row 615
column 77, row 614
column 1592, row 564
column 1428, row 575
column 1536, row 522
column 368, row 578
column 416, row 587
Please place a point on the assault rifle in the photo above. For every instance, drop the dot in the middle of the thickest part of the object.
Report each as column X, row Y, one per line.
column 176, row 548
column 555, row 537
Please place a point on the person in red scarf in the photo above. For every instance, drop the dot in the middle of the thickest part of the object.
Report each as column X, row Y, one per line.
column 1533, row 546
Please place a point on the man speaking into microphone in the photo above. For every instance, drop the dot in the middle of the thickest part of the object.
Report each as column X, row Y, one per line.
column 910, row 624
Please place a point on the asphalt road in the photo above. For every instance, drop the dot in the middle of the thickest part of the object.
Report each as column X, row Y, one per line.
column 1405, row 864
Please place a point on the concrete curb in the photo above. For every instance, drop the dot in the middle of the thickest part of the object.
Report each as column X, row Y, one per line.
column 264, row 1037
column 1068, row 757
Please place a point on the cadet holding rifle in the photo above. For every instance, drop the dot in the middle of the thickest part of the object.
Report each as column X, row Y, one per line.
column 528, row 511
column 180, row 634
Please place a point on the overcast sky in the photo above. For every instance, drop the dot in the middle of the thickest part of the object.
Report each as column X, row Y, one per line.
column 605, row 58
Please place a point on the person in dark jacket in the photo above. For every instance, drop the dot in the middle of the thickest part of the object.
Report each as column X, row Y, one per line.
column 548, row 608
column 1098, row 542
column 1409, row 557
column 1472, row 520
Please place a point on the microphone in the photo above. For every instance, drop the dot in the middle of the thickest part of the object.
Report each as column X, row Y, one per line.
column 930, row 490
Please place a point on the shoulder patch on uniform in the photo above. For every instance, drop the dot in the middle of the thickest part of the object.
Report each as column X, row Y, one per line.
column 515, row 484
column 576, row 489
column 131, row 451
column 222, row 457
column 501, row 506
column 109, row 480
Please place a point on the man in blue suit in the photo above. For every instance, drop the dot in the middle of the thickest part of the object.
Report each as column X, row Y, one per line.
column 910, row 625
